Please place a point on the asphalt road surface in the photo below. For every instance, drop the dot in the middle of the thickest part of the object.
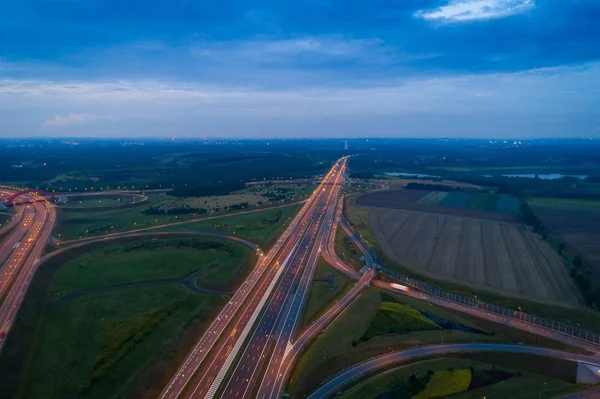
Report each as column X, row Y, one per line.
column 339, row 381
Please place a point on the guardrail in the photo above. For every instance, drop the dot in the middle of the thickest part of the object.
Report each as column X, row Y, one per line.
column 550, row 324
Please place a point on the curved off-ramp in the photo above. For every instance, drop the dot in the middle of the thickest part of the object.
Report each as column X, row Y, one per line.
column 169, row 234
column 358, row 371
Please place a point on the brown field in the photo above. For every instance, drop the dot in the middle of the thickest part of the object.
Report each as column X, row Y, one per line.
column 502, row 257
column 579, row 231
column 407, row 200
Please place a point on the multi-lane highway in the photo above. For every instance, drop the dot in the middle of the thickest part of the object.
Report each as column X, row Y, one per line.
column 250, row 349
column 239, row 334
column 20, row 252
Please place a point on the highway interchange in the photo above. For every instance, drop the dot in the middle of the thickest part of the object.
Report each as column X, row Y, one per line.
column 251, row 347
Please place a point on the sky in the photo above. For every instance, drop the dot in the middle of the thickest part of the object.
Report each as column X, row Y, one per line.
column 303, row 68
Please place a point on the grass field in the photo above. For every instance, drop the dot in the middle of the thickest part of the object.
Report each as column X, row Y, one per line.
column 456, row 200
column 347, row 250
column 254, row 195
column 397, row 318
column 4, row 217
column 101, row 200
column 328, row 285
column 106, row 322
column 565, row 204
column 504, row 257
column 262, row 228
column 517, row 386
column 483, row 202
column 340, row 345
column 73, row 224
column 360, row 219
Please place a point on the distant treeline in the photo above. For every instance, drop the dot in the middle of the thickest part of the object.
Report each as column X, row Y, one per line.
column 580, row 272
column 192, row 168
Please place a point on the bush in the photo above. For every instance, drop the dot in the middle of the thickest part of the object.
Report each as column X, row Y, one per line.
column 445, row 383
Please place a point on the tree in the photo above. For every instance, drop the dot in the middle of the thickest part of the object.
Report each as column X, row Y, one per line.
column 561, row 246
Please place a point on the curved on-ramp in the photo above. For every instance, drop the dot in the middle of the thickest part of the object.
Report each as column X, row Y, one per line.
column 166, row 234
column 345, row 377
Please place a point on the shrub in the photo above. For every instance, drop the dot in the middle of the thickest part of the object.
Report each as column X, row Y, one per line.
column 445, row 383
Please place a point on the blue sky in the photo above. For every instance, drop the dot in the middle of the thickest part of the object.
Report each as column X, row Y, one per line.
column 393, row 68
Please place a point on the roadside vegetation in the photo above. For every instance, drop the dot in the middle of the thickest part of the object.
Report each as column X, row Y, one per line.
column 162, row 208
column 347, row 250
column 107, row 321
column 262, row 227
column 101, row 201
column 328, row 285
column 4, row 217
column 486, row 379
column 345, row 343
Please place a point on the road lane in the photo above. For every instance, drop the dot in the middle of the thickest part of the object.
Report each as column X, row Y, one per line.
column 342, row 379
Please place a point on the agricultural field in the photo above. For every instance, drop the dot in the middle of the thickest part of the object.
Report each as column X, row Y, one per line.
column 473, row 205
column 565, row 204
column 75, row 338
column 578, row 231
column 502, row 257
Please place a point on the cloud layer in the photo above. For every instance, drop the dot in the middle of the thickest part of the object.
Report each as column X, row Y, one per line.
column 60, row 121
column 426, row 67
column 469, row 10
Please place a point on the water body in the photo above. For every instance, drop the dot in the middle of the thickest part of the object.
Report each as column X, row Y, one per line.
column 403, row 174
column 543, row 176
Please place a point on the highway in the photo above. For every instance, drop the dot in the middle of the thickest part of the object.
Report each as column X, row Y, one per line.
column 219, row 345
column 20, row 252
column 273, row 335
column 250, row 349
column 339, row 381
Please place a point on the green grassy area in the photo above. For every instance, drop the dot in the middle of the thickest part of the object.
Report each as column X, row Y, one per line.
column 526, row 385
column 124, row 318
column 433, row 197
column 341, row 346
column 456, row 200
column 587, row 319
column 482, row 202
column 146, row 260
column 4, row 217
column 323, row 293
column 262, row 227
column 565, row 204
column 445, row 383
column 75, row 224
column 347, row 250
column 360, row 219
column 397, row 318
column 101, row 201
